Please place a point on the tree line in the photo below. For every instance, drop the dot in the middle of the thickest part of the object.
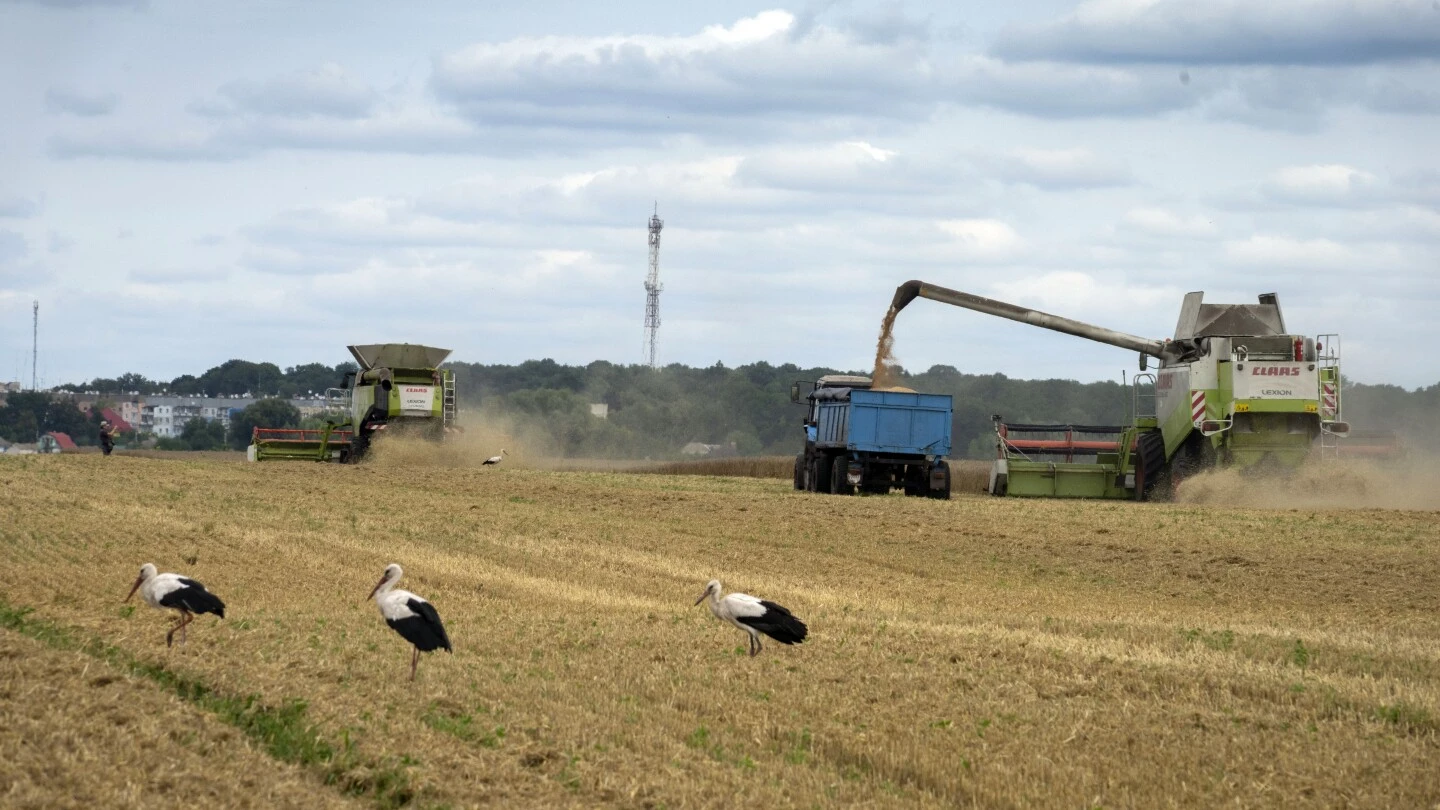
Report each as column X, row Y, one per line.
column 653, row 413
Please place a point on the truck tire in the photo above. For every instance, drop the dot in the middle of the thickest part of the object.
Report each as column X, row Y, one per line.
column 839, row 472
column 824, row 463
column 799, row 471
column 1149, row 464
column 941, row 470
column 914, row 481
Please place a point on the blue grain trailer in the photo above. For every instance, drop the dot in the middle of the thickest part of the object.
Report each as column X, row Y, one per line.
column 873, row 441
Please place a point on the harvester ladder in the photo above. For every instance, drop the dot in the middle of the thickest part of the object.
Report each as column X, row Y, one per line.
column 1327, row 356
column 447, row 389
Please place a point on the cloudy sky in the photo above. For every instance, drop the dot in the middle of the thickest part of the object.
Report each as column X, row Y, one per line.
column 184, row 181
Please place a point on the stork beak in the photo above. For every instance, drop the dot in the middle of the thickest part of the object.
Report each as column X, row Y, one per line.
column 702, row 597
column 134, row 588
column 374, row 589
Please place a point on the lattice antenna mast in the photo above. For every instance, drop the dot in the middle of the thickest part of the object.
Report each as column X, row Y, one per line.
column 35, row 348
column 653, row 287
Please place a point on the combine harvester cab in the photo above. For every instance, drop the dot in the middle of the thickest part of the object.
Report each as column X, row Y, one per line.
column 399, row 388
column 873, row 441
column 1233, row 388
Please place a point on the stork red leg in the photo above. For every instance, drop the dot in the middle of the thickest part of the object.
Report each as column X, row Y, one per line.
column 414, row 659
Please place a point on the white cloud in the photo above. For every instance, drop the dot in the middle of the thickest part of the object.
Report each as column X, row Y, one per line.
column 70, row 101
column 12, row 246
column 760, row 69
column 1161, row 222
column 1320, row 184
column 82, row 4
column 327, row 91
column 983, row 238
column 1078, row 295
column 1056, row 169
column 1265, row 251
column 15, row 206
column 166, row 276
column 1284, row 32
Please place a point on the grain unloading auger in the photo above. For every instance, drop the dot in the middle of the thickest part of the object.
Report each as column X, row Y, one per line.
column 399, row 388
column 1233, row 388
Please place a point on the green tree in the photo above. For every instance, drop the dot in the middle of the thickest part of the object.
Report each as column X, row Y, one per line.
column 203, row 434
column 270, row 413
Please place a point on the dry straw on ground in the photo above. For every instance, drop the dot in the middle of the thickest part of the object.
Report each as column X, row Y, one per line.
column 978, row 651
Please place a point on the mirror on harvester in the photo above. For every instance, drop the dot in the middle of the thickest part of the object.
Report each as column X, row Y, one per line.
column 1144, row 361
column 795, row 392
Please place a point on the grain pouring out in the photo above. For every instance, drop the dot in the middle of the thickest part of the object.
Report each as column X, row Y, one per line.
column 754, row 616
column 175, row 592
column 409, row 615
column 883, row 377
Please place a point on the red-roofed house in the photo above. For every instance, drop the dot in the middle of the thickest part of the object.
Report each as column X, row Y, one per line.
column 114, row 418
column 56, row 443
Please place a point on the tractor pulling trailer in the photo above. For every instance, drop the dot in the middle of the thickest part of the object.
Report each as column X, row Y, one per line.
column 1234, row 388
column 872, row 441
column 399, row 388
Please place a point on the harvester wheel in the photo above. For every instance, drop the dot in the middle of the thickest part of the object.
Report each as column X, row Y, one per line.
column 358, row 447
column 1149, row 463
column 799, row 471
column 839, row 472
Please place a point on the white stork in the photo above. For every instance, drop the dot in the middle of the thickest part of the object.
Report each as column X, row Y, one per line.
column 754, row 616
column 494, row 459
column 410, row 616
column 177, row 593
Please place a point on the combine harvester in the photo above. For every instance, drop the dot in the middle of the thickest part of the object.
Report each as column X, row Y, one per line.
column 400, row 387
column 1233, row 388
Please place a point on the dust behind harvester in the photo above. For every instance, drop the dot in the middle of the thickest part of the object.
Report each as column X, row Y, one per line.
column 399, row 388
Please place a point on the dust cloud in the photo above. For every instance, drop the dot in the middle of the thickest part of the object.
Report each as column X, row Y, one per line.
column 480, row 439
column 1407, row 484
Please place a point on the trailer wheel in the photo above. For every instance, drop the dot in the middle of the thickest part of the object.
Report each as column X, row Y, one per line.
column 839, row 470
column 1149, row 463
column 824, row 463
column 799, row 471
column 915, row 481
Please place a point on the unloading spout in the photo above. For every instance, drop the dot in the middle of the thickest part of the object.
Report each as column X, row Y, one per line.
column 911, row 290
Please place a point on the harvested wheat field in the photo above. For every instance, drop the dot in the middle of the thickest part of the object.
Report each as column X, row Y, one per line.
column 972, row 652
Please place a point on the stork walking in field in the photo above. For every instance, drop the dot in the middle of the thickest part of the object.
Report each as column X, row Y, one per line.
column 494, row 459
column 754, row 616
column 177, row 593
column 412, row 617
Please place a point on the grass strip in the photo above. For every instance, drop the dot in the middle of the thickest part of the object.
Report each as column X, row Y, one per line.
column 283, row 732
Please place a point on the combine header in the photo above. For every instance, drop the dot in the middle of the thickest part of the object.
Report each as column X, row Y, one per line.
column 399, row 387
column 1233, row 388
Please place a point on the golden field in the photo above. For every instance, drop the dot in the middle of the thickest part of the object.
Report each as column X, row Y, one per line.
column 972, row 652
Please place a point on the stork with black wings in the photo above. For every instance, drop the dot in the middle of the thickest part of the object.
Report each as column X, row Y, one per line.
column 412, row 617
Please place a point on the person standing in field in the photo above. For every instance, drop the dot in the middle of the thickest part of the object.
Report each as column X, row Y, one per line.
column 107, row 436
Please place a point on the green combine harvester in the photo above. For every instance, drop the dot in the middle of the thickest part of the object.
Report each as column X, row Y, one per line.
column 398, row 389
column 1234, row 388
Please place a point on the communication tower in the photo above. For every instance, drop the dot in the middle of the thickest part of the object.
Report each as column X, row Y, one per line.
column 653, row 287
column 35, row 347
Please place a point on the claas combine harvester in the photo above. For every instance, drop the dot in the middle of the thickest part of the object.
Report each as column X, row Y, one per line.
column 1234, row 388
column 399, row 388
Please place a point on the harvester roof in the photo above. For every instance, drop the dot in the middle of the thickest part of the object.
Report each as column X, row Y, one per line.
column 398, row 355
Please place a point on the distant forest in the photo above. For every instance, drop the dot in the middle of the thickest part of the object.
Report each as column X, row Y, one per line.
column 652, row 413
